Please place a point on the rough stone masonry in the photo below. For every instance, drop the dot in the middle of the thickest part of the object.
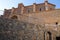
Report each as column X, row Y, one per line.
column 11, row 29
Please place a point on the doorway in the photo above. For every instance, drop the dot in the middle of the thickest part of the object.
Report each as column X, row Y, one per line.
column 49, row 35
column 57, row 38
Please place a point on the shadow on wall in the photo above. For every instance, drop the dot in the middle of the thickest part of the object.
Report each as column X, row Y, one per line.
column 14, row 17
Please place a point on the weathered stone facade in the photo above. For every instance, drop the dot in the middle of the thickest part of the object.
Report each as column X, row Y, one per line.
column 36, row 13
column 11, row 29
column 34, row 22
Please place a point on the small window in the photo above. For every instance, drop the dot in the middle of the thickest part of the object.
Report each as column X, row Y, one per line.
column 40, row 9
column 29, row 10
column 56, row 23
column 50, row 8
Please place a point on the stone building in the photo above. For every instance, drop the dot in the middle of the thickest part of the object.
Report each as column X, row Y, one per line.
column 44, row 14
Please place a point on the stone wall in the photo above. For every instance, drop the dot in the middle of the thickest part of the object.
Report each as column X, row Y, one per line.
column 11, row 29
column 40, row 17
column 17, row 30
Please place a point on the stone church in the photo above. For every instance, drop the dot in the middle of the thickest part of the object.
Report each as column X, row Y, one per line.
column 44, row 16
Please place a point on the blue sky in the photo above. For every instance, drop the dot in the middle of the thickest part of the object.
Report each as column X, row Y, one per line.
column 7, row 4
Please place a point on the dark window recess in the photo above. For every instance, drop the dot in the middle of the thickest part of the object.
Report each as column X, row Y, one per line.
column 40, row 9
column 56, row 23
column 50, row 8
column 14, row 17
column 28, row 10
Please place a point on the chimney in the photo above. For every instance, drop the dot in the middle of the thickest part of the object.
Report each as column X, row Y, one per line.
column 34, row 7
column 21, row 7
column 12, row 11
column 46, row 4
column 5, row 11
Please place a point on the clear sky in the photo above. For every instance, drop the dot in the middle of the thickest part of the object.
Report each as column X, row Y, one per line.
column 7, row 4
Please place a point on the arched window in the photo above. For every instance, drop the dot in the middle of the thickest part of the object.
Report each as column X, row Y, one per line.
column 49, row 36
column 14, row 17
